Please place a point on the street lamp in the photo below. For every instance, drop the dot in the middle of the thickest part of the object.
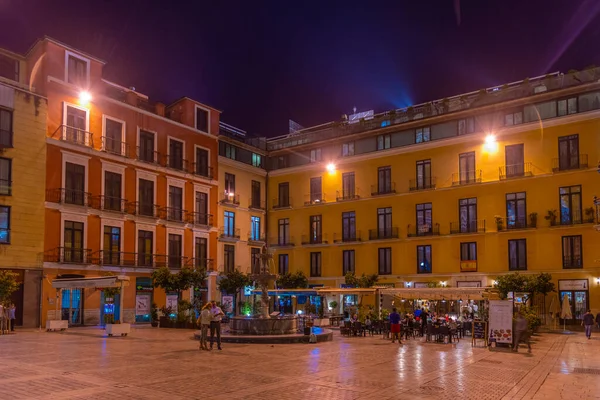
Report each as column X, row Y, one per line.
column 84, row 98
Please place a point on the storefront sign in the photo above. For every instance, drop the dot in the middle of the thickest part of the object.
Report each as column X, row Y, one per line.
column 421, row 285
column 501, row 321
column 573, row 284
column 227, row 304
column 479, row 331
column 468, row 284
column 172, row 302
column 143, row 284
column 142, row 304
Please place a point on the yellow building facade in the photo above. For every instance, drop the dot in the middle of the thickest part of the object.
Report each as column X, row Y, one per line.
column 452, row 193
column 22, row 183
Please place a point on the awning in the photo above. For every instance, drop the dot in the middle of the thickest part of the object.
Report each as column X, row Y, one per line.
column 95, row 282
column 288, row 292
column 438, row 293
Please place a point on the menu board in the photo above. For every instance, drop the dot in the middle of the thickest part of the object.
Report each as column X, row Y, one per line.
column 501, row 321
column 479, row 329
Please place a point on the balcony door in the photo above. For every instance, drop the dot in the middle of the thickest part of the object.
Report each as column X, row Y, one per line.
column 316, row 194
column 201, row 208
column 466, row 167
column 112, row 191
column 201, row 162
column 175, row 154
column 384, row 180
column 423, row 174
column 146, row 152
column 468, row 215
column 424, row 219
column 111, row 253
column 515, row 160
column 568, row 152
column 74, row 183
column 76, row 121
column 348, row 226
column 516, row 210
column 146, row 197
column 201, row 252
column 73, row 242
column 348, row 188
column 145, row 245
column 384, row 222
column 175, row 250
column 229, row 223
column 284, row 194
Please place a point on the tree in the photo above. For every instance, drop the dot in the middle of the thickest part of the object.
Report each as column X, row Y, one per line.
column 295, row 280
column 532, row 284
column 365, row 281
column 8, row 285
column 180, row 281
column 232, row 282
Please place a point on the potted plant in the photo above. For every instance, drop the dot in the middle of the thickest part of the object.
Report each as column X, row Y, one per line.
column 498, row 220
column 153, row 315
column 333, row 305
column 551, row 216
column 165, row 319
column 589, row 214
column 533, row 219
column 114, row 327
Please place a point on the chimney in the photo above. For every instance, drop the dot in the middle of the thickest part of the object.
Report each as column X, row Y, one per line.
column 132, row 99
column 160, row 109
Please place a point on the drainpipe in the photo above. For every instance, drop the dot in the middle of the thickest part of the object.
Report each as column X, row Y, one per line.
column 41, row 298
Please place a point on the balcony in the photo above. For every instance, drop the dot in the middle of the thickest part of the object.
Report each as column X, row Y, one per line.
column 578, row 161
column 314, row 199
column 229, row 234
column 282, row 241
column 308, row 240
column 230, row 199
column 256, row 238
column 176, row 163
column 568, row 220
column 202, row 170
column 143, row 209
column 257, row 204
column 426, row 183
column 467, row 227
column 349, row 237
column 116, row 258
column 113, row 146
column 5, row 187
column 383, row 189
column 283, row 202
column 68, row 196
column 423, row 230
column 200, row 219
column 6, row 139
column 466, row 177
column 68, row 255
column 572, row 262
column 148, row 156
column 207, row 264
column 516, row 224
column 384, row 233
column 341, row 195
column 515, row 171
column 468, row 266
column 108, row 203
column 172, row 214
column 74, row 135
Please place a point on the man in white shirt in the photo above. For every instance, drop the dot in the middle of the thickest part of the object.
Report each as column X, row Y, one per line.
column 215, row 324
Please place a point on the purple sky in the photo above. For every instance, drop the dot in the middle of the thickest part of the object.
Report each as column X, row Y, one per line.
column 312, row 61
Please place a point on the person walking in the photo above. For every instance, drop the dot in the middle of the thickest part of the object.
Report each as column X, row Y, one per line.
column 588, row 323
column 215, row 324
column 12, row 310
column 521, row 334
column 204, row 321
column 395, row 326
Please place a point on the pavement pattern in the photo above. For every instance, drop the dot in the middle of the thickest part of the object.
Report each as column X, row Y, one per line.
column 154, row 363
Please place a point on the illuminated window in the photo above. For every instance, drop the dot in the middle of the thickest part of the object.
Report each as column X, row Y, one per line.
column 422, row 135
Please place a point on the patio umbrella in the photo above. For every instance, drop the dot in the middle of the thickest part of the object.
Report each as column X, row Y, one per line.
column 554, row 307
column 565, row 312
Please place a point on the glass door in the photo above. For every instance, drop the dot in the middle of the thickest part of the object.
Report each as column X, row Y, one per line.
column 578, row 300
column 72, row 306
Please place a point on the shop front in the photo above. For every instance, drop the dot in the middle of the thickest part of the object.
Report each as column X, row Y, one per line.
column 576, row 292
column 143, row 299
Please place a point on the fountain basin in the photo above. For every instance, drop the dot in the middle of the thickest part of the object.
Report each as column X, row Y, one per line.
column 263, row 326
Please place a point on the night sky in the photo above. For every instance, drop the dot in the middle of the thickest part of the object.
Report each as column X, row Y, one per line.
column 312, row 61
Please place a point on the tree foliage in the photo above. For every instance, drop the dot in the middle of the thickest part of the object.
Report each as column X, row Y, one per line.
column 296, row 280
column 8, row 285
column 180, row 281
column 233, row 281
column 534, row 284
column 364, row 281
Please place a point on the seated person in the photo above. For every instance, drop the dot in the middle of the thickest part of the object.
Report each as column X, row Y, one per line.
column 354, row 318
column 368, row 322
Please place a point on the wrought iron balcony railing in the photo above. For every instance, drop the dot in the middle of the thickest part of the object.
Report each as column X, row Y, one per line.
column 425, row 183
column 423, row 230
column 467, row 177
column 68, row 196
column 230, row 199
column 314, row 239
column 148, row 156
column 282, row 241
column 74, row 135
column 347, row 237
column 5, row 187
column 176, row 163
column 200, row 219
column 172, row 214
column 383, row 188
column 314, row 199
column 467, row 227
column 109, row 203
column 257, row 204
column 384, row 233
column 68, row 255
column 256, row 238
column 115, row 258
column 282, row 202
column 515, row 171
column 572, row 262
column 229, row 233
column 113, row 146
column 577, row 161
column 345, row 195
column 203, row 170
column 143, row 209
column 207, row 264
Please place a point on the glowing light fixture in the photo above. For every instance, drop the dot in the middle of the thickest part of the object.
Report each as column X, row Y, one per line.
column 85, row 98
column 490, row 143
column 494, row 282
column 331, row 168
column 443, row 283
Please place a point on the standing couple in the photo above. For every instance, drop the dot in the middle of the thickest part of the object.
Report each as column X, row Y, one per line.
column 210, row 317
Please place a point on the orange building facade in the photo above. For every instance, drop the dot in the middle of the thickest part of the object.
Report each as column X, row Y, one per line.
column 129, row 186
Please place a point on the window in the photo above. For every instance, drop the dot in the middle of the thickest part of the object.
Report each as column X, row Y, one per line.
column 255, row 228
column 76, row 127
column 424, row 219
column 175, row 250
column 228, row 150
column 384, row 260
column 466, row 126
column 517, row 255
column 316, row 194
column 572, row 252
column 9, row 68
column 570, row 205
column 424, row 175
column 257, row 160
column 112, row 192
column 175, row 157
column 74, row 184
column 73, row 242
column 384, row 142
column 6, row 133
column 513, row 118
column 424, row 259
column 202, row 163
column 384, row 180
column 255, row 200
column 348, row 187
column 283, row 161
column 229, row 258
column 566, row 106
column 348, row 262
column 229, row 224
column 202, row 119
column 5, row 176
column 113, row 137
column 315, row 155
column 4, row 224
column 315, row 264
column 466, row 168
column 146, row 198
column 284, row 264
column 229, row 183
column 284, row 194
column 147, row 152
column 77, row 71
column 468, row 251
column 255, row 260
column 349, row 226
column 348, row 149
column 516, row 210
column 467, row 211
column 201, row 252
column 384, row 222
column 201, row 208
column 283, row 231
column 175, row 212
column 315, row 229
column 514, row 160
column 568, row 152
column 422, row 135
column 145, row 245
column 111, row 253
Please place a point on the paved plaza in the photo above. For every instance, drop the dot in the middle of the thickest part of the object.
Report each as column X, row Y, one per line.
column 156, row 363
